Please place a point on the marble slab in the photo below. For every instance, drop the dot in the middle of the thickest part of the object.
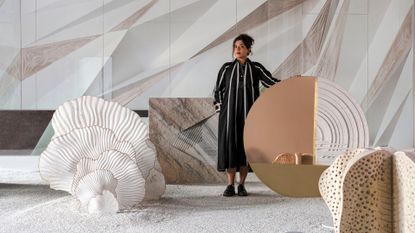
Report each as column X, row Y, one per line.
column 184, row 131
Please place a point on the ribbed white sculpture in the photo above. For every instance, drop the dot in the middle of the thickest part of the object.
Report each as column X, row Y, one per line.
column 341, row 123
column 101, row 154
column 371, row 190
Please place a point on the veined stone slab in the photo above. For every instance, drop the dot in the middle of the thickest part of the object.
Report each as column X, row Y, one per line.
column 184, row 131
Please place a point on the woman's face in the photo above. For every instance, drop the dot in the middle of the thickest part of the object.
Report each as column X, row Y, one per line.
column 239, row 50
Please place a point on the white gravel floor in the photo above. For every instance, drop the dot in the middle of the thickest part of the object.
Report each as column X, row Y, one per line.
column 28, row 205
column 183, row 208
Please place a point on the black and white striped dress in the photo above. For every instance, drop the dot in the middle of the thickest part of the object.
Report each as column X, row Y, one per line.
column 237, row 87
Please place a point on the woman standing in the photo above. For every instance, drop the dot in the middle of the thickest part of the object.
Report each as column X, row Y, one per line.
column 237, row 87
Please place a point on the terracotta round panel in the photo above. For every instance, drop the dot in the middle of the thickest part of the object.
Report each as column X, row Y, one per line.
column 281, row 121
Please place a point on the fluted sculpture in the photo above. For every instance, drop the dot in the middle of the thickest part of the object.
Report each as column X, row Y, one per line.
column 101, row 154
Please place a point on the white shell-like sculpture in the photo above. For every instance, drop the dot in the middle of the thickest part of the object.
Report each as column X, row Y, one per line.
column 371, row 191
column 341, row 123
column 101, row 154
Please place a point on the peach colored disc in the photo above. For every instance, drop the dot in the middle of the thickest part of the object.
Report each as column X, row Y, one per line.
column 282, row 120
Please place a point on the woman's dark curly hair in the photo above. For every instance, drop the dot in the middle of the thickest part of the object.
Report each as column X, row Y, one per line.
column 246, row 39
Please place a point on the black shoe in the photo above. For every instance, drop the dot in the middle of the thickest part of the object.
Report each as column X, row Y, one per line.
column 242, row 191
column 229, row 191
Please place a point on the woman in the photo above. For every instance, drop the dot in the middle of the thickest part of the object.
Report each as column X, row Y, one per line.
column 237, row 87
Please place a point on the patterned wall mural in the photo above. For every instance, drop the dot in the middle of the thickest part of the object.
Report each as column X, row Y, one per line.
column 130, row 50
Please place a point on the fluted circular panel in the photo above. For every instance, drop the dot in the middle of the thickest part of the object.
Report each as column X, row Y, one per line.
column 106, row 146
column 341, row 123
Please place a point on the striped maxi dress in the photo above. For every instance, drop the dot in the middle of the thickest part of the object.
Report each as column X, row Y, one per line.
column 237, row 87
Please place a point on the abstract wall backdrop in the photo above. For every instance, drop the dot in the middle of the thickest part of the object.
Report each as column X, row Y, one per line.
column 52, row 51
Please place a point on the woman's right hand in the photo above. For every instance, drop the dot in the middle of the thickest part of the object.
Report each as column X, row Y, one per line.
column 217, row 107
